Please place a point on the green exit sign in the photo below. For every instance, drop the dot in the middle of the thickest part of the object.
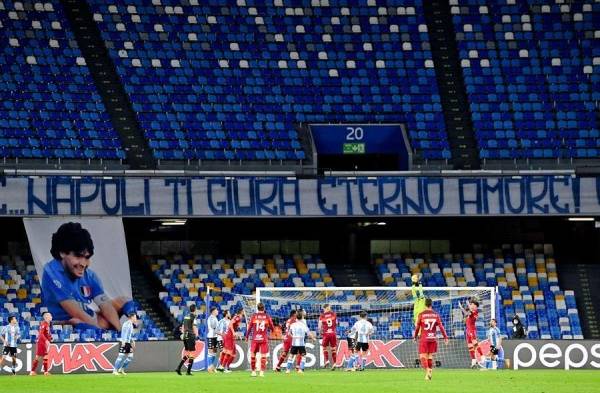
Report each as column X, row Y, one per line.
column 354, row 148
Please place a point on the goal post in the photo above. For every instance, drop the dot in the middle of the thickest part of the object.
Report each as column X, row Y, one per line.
column 493, row 292
column 391, row 312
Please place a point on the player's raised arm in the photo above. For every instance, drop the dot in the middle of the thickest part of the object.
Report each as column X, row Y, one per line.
column 442, row 329
column 462, row 308
column 417, row 328
column 238, row 334
column 249, row 328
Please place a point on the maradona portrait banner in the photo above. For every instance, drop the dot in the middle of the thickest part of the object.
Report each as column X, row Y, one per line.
column 83, row 268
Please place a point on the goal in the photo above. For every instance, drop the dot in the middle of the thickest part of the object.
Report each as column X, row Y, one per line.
column 391, row 312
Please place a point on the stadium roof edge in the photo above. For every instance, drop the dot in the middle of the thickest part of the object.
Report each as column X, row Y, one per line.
column 142, row 173
column 292, row 174
column 454, row 173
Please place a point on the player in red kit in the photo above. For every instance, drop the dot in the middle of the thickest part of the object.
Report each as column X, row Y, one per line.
column 259, row 328
column 471, row 312
column 43, row 344
column 287, row 341
column 228, row 354
column 428, row 323
column 328, row 327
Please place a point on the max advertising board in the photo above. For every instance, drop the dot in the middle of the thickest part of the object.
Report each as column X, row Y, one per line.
column 66, row 358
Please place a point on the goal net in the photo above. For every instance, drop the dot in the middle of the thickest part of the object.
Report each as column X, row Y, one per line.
column 391, row 311
column 225, row 300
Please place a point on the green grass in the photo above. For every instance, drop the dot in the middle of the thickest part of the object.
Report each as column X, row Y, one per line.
column 375, row 381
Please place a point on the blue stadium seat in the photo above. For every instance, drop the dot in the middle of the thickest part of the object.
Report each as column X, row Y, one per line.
column 241, row 76
column 529, row 72
column 49, row 100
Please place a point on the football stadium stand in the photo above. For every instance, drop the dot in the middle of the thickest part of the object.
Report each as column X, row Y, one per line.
column 50, row 106
column 526, row 278
column 184, row 278
column 532, row 73
column 527, row 281
column 221, row 80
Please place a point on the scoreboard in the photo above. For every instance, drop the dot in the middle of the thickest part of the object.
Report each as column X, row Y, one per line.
column 363, row 139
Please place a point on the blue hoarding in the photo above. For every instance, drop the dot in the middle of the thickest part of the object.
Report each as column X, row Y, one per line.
column 291, row 197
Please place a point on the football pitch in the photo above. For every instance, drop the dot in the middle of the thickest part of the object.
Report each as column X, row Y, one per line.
column 375, row 381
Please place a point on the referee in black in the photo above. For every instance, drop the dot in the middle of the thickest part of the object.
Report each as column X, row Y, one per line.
column 189, row 332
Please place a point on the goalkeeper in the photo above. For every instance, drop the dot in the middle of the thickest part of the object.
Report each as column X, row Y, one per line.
column 418, row 297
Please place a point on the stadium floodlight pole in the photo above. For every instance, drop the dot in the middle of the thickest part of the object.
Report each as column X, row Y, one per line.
column 491, row 290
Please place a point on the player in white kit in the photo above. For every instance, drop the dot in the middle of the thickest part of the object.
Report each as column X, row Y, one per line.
column 363, row 330
column 299, row 331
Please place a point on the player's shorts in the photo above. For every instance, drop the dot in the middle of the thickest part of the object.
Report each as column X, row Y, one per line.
column 287, row 345
column 427, row 346
column 471, row 337
column 9, row 351
column 125, row 348
column 41, row 349
column 259, row 346
column 229, row 344
column 189, row 344
column 212, row 343
column 219, row 344
column 329, row 340
column 500, row 354
column 362, row 347
column 351, row 343
column 298, row 350
column 494, row 350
